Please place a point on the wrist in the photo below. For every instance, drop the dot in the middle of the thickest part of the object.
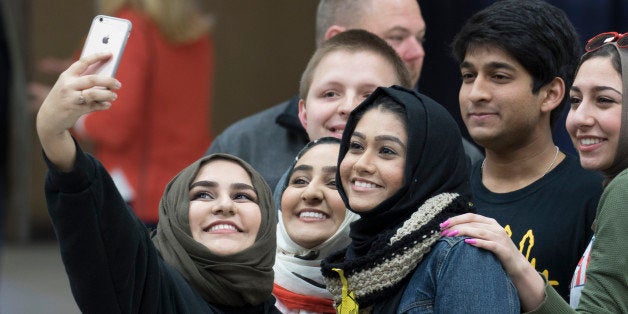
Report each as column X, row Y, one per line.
column 530, row 285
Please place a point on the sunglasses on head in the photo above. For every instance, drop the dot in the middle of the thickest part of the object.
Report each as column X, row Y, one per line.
column 621, row 40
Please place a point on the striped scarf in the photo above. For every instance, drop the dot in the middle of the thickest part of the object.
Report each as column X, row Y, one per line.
column 384, row 270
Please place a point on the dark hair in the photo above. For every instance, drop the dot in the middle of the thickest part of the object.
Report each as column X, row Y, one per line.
column 615, row 54
column 605, row 51
column 322, row 140
column 305, row 149
column 537, row 34
column 354, row 41
column 387, row 104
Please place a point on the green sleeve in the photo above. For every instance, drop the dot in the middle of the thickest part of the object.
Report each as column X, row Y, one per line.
column 553, row 302
column 606, row 286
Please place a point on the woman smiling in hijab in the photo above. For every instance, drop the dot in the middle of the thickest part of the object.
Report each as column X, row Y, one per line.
column 214, row 246
column 313, row 224
column 402, row 168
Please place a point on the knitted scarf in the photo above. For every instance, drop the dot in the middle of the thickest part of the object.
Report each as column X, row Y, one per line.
column 389, row 240
column 383, row 272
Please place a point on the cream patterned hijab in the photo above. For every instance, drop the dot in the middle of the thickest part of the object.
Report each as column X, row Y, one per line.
column 298, row 269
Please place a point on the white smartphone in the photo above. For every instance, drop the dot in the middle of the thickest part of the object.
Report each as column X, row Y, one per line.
column 107, row 34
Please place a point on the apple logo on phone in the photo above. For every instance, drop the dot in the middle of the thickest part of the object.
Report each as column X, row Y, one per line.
column 105, row 40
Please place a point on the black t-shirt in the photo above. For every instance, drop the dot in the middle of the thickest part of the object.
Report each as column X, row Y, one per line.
column 549, row 220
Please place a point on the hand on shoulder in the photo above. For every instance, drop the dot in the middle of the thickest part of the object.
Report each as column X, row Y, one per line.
column 486, row 233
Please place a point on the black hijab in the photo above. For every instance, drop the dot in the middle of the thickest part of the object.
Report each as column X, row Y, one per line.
column 435, row 163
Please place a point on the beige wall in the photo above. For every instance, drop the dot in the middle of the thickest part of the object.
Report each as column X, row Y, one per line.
column 261, row 49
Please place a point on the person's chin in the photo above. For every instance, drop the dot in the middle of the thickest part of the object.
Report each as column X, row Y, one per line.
column 310, row 240
column 364, row 203
column 227, row 245
column 362, row 207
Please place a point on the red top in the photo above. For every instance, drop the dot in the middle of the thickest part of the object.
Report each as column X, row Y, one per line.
column 160, row 122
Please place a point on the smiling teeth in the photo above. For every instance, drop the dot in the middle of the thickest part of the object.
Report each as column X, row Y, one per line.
column 590, row 141
column 311, row 215
column 364, row 184
column 222, row 227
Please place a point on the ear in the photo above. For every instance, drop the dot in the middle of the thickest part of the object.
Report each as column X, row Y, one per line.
column 554, row 92
column 302, row 113
column 333, row 31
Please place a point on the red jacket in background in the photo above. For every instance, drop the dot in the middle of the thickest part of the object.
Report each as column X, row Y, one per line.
column 160, row 122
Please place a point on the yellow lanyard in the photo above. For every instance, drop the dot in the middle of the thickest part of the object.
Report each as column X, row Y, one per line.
column 348, row 304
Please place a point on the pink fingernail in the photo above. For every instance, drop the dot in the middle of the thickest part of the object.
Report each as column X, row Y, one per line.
column 444, row 232
column 471, row 241
column 444, row 224
column 453, row 233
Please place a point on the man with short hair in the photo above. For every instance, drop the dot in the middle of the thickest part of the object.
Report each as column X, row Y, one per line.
column 517, row 61
column 270, row 139
column 399, row 23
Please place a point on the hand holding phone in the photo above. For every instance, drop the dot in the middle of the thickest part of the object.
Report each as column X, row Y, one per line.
column 106, row 34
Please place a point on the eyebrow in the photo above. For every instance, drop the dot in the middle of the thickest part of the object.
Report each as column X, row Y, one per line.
column 597, row 89
column 382, row 138
column 406, row 30
column 491, row 65
column 398, row 28
column 211, row 184
column 310, row 168
column 302, row 168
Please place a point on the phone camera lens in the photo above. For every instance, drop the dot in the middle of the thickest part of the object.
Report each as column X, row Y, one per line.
column 101, row 19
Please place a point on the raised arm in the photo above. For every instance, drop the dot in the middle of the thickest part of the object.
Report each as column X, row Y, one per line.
column 106, row 251
column 486, row 233
column 72, row 96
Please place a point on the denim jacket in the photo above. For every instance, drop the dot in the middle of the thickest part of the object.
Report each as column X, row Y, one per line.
column 455, row 277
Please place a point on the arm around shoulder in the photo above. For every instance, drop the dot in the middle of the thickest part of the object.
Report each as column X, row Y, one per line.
column 486, row 234
column 553, row 302
column 606, row 285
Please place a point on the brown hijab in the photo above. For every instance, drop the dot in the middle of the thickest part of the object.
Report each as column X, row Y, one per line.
column 621, row 157
column 241, row 279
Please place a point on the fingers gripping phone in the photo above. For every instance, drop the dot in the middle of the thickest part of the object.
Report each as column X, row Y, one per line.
column 107, row 34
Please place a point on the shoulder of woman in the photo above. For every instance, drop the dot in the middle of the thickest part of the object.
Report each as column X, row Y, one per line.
column 454, row 248
column 621, row 178
column 617, row 187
